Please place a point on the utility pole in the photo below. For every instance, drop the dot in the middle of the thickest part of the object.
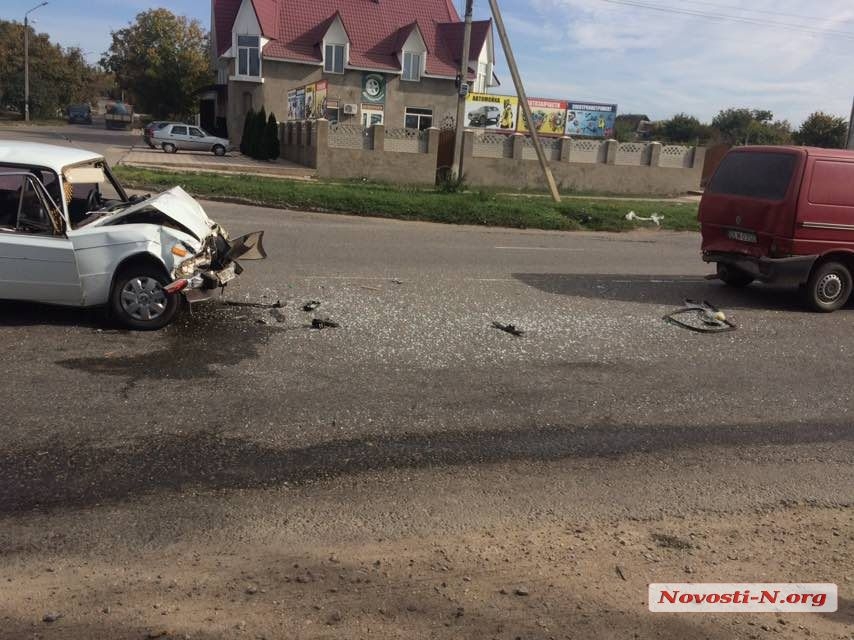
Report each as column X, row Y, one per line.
column 523, row 99
column 27, row 60
column 850, row 144
column 462, row 92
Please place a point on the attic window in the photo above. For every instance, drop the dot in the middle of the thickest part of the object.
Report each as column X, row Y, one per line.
column 412, row 66
column 333, row 60
column 249, row 56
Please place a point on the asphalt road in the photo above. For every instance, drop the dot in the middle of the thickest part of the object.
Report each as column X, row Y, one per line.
column 240, row 427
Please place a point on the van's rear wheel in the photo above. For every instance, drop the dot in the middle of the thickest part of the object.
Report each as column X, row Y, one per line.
column 732, row 276
column 829, row 287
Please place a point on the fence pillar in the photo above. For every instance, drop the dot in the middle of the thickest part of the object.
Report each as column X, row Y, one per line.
column 468, row 144
column 655, row 154
column 379, row 137
column 699, row 160
column 518, row 146
column 565, row 148
column 611, row 147
column 433, row 135
column 321, row 142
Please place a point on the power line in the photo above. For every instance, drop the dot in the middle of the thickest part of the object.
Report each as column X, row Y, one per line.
column 848, row 35
column 763, row 11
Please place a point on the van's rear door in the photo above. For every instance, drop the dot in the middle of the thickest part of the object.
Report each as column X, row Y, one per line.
column 751, row 199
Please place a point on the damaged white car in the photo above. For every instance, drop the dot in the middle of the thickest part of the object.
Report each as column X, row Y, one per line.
column 70, row 235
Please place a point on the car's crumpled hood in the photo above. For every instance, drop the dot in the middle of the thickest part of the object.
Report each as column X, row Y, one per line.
column 178, row 205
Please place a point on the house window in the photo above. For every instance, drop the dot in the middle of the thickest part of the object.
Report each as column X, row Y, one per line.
column 333, row 61
column 481, row 84
column 249, row 56
column 418, row 118
column 411, row 66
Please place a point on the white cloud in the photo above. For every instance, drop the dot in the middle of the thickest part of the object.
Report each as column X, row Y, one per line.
column 662, row 63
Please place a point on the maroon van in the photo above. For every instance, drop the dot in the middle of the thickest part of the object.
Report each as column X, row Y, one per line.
column 783, row 215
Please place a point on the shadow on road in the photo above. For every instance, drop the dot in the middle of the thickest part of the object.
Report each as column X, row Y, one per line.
column 59, row 475
column 29, row 314
column 663, row 290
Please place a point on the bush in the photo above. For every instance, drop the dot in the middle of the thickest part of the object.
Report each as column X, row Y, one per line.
column 245, row 139
column 449, row 182
column 258, row 127
column 271, row 138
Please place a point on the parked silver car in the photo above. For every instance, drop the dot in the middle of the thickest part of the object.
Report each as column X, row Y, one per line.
column 173, row 137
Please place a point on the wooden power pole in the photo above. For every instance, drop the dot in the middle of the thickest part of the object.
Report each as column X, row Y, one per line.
column 523, row 99
column 462, row 92
column 850, row 144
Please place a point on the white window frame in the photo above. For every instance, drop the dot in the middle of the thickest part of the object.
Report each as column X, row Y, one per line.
column 414, row 61
column 329, row 64
column 240, row 48
column 417, row 112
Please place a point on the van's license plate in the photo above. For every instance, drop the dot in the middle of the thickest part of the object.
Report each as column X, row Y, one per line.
column 741, row 236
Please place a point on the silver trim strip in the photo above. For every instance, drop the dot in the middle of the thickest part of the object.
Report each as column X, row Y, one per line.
column 828, row 225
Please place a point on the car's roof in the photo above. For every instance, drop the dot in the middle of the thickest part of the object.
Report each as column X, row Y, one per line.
column 38, row 154
column 811, row 151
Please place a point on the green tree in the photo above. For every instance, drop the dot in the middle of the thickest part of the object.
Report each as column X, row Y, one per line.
column 626, row 126
column 271, row 138
column 683, row 128
column 823, row 130
column 258, row 128
column 752, row 126
column 161, row 60
column 246, row 138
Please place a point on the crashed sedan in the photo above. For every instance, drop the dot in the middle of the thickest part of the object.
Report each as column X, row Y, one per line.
column 70, row 235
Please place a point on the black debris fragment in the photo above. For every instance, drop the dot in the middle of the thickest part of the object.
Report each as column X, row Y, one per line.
column 701, row 317
column 255, row 305
column 509, row 328
column 322, row 323
column 310, row 306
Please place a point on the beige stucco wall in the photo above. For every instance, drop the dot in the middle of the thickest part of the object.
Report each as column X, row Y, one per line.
column 281, row 77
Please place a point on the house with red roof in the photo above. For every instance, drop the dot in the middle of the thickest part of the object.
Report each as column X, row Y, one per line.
column 392, row 62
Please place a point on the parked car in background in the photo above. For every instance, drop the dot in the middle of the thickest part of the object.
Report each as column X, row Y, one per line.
column 149, row 129
column 70, row 235
column 79, row 114
column 783, row 215
column 175, row 137
column 484, row 116
column 119, row 116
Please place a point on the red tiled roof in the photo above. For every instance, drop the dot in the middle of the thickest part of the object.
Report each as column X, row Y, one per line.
column 376, row 28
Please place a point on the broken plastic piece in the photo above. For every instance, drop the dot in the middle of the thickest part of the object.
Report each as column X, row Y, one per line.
column 707, row 318
column 310, row 306
column 657, row 219
column 322, row 323
column 509, row 328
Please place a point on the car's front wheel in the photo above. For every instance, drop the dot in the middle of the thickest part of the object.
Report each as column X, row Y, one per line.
column 219, row 150
column 139, row 301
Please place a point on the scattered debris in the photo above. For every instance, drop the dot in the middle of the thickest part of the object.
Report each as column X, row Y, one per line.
column 367, row 288
column 311, row 305
column 51, row 617
column 657, row 219
column 251, row 590
column 396, row 281
column 667, row 541
column 509, row 328
column 521, row 591
column 157, row 634
column 255, row 305
column 702, row 317
column 324, row 323
column 620, row 572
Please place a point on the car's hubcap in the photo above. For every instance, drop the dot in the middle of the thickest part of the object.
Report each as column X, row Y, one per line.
column 144, row 299
column 830, row 288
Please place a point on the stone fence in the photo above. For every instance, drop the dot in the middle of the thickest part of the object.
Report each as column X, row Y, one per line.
column 407, row 156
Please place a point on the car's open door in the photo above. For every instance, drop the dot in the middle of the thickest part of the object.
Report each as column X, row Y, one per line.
column 37, row 261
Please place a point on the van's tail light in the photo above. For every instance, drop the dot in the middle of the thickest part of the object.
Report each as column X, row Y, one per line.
column 780, row 248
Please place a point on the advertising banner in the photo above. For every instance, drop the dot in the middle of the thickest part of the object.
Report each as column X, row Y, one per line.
column 591, row 119
column 494, row 113
column 320, row 94
column 373, row 88
column 292, row 104
column 549, row 117
column 300, row 104
column 309, row 102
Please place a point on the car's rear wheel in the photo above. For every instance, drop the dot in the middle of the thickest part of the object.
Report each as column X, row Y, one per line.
column 139, row 301
column 829, row 287
column 168, row 147
column 219, row 150
column 733, row 276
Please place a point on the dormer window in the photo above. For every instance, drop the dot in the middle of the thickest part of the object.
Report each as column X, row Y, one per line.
column 412, row 63
column 333, row 59
column 249, row 56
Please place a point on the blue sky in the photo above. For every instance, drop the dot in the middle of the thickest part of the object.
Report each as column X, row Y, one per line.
column 650, row 60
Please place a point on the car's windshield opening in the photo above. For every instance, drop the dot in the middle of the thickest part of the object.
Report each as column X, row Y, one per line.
column 86, row 200
column 765, row 176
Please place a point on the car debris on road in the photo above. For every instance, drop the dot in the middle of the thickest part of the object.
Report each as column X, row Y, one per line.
column 706, row 318
column 310, row 306
column 324, row 323
column 509, row 328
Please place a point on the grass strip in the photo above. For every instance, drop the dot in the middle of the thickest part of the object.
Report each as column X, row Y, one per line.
column 410, row 203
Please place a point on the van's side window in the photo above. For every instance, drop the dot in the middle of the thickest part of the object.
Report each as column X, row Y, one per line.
column 831, row 183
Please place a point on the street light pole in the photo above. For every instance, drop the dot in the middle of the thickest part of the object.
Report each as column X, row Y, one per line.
column 27, row 60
